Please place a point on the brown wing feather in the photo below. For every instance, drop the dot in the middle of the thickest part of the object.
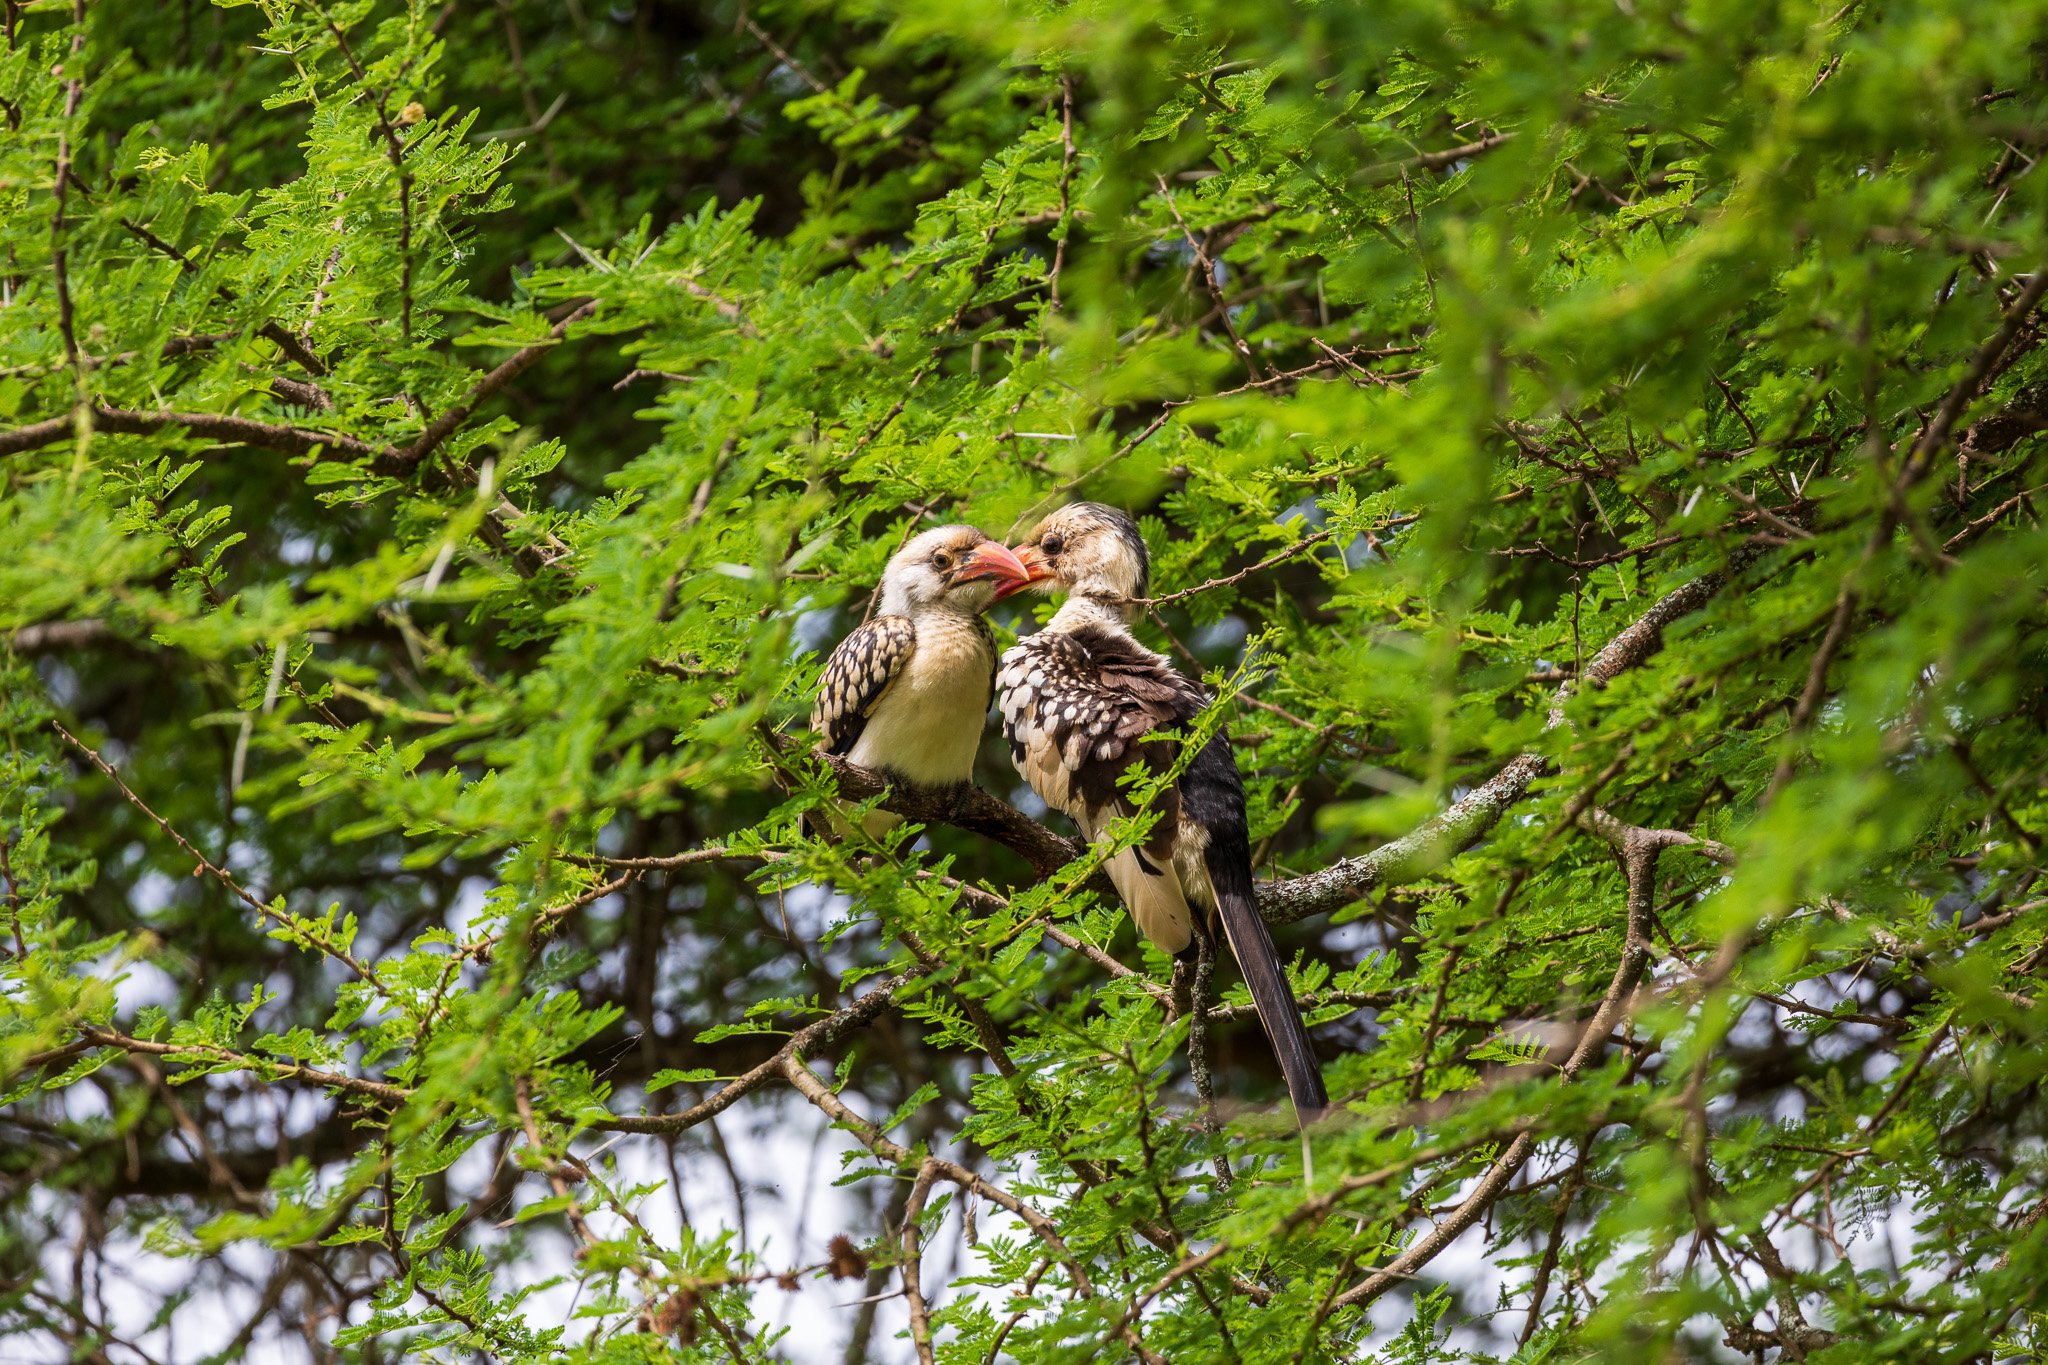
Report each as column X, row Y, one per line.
column 856, row 676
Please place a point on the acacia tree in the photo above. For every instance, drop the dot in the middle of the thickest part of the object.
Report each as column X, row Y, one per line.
column 1590, row 449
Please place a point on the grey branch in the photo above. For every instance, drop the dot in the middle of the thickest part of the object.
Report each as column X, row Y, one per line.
column 1468, row 820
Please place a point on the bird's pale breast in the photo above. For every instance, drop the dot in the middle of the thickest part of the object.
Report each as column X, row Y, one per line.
column 927, row 727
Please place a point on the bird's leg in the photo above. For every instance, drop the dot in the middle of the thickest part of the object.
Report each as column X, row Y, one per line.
column 1203, row 982
column 1179, row 987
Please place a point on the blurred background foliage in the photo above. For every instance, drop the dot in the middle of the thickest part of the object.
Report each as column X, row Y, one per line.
column 437, row 440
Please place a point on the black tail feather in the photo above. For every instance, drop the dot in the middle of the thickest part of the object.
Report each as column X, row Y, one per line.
column 1238, row 907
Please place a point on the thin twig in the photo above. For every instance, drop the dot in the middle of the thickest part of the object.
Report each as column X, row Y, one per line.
column 220, row 874
column 1207, row 267
column 1066, row 218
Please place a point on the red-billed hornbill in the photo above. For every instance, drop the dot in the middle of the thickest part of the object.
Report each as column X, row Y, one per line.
column 907, row 693
column 1077, row 700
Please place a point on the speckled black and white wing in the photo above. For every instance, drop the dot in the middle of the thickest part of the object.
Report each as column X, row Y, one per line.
column 1076, row 707
column 856, row 676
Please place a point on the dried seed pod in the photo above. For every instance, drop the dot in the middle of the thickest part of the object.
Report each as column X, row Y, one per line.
column 845, row 1260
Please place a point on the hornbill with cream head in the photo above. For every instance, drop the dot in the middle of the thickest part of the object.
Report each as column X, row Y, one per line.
column 1077, row 700
column 908, row 691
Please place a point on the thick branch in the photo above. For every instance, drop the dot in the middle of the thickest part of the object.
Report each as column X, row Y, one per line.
column 1595, row 820
column 1644, row 636
column 1467, row 820
column 969, row 808
column 1755, row 1340
column 913, row 1263
column 1407, row 858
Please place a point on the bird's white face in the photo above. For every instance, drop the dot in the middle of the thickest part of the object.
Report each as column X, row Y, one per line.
column 1087, row 550
column 954, row 567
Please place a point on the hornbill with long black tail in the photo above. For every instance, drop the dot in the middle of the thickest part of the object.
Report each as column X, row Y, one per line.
column 907, row 693
column 1077, row 700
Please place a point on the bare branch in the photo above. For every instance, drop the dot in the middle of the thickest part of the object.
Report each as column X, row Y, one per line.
column 813, row 1037
column 1412, row 856
column 1595, row 820
column 1982, row 366
column 1451, row 156
column 1307, row 542
column 381, row 1091
column 219, row 874
column 1207, row 268
column 299, row 440
column 818, row 1093
column 913, row 1262
column 1468, row 819
column 290, row 440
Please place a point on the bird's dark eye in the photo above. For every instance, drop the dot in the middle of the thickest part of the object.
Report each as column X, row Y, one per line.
column 1052, row 544
column 942, row 560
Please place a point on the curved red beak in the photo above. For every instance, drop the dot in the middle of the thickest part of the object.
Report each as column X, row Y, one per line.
column 992, row 559
column 1035, row 570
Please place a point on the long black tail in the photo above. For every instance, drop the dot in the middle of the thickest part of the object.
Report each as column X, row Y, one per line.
column 1230, row 872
